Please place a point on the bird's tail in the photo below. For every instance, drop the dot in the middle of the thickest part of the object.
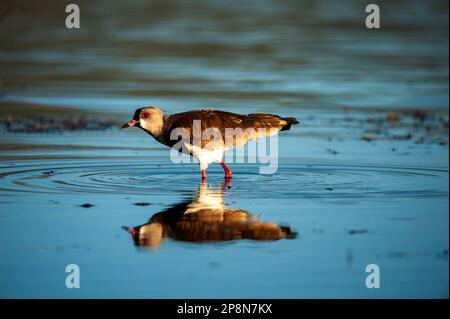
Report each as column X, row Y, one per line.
column 290, row 121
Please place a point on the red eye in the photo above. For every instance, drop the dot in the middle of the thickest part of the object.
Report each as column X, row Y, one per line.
column 145, row 115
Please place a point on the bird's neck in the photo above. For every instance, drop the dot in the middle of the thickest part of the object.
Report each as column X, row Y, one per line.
column 155, row 129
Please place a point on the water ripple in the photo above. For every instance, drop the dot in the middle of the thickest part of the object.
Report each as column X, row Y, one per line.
column 115, row 175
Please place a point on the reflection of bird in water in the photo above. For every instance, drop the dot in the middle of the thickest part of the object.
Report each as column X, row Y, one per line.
column 205, row 219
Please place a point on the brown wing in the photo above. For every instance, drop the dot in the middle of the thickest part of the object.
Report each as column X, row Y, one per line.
column 238, row 128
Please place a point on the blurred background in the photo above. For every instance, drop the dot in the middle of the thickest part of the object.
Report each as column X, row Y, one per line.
column 234, row 54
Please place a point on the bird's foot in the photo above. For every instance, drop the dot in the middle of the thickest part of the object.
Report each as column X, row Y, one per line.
column 227, row 183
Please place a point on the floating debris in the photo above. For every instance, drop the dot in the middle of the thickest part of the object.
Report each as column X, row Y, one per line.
column 367, row 138
column 331, row 151
column 358, row 231
column 402, row 137
column 142, row 204
column 86, row 205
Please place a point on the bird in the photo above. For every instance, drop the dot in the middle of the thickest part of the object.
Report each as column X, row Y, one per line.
column 190, row 127
column 206, row 218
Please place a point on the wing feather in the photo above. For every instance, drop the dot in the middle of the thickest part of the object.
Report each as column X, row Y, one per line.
column 244, row 127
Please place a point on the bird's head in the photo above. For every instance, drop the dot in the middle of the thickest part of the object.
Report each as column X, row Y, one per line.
column 148, row 236
column 149, row 119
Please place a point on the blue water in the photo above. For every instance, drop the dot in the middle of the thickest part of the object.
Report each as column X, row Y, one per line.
column 346, row 215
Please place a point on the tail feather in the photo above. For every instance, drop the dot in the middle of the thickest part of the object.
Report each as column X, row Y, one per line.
column 290, row 121
column 262, row 125
column 258, row 120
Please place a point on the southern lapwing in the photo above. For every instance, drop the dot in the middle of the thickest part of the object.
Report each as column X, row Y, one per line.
column 224, row 130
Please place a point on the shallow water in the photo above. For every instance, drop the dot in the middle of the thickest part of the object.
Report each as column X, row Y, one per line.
column 352, row 187
column 111, row 175
column 344, row 215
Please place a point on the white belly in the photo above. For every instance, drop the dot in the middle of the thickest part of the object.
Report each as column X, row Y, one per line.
column 205, row 157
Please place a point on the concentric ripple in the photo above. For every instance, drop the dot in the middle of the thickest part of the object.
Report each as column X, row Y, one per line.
column 117, row 175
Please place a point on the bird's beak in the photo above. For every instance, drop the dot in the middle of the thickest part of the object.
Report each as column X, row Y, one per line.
column 131, row 230
column 130, row 123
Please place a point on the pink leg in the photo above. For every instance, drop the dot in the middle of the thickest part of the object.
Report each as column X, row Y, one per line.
column 203, row 175
column 227, row 170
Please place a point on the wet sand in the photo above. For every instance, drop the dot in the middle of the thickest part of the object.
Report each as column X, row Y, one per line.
column 363, row 179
